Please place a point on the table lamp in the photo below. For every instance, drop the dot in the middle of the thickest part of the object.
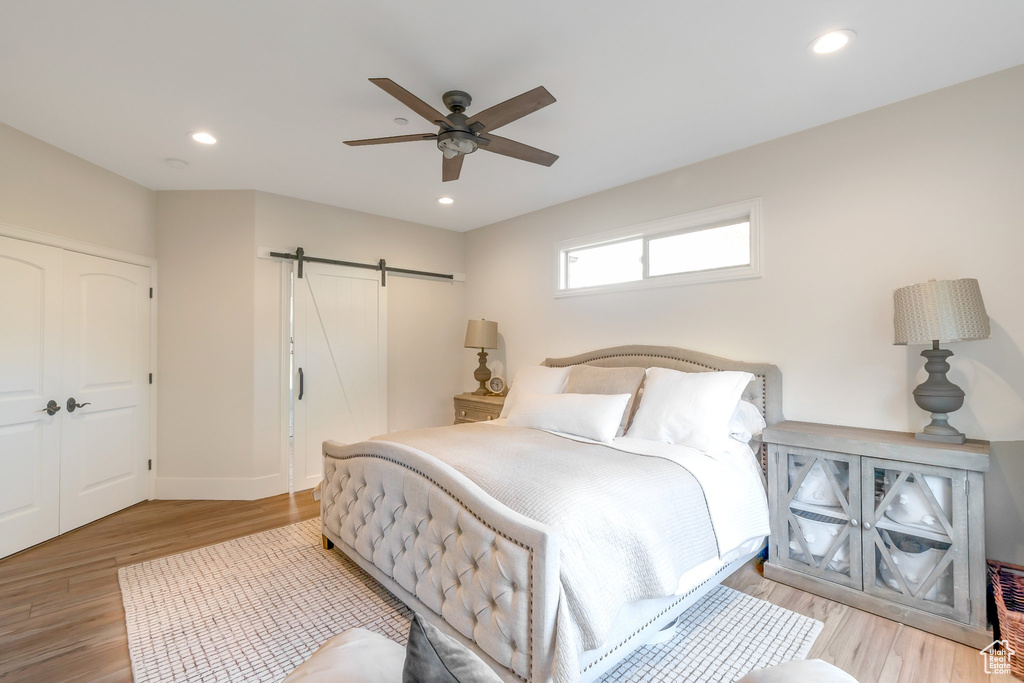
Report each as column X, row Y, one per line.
column 939, row 311
column 482, row 334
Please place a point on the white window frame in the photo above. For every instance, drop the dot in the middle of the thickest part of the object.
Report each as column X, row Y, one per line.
column 719, row 216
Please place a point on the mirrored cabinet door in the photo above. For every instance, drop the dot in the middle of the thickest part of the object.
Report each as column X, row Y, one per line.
column 915, row 534
column 818, row 513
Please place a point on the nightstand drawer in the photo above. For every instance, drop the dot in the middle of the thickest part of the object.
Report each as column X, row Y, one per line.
column 475, row 408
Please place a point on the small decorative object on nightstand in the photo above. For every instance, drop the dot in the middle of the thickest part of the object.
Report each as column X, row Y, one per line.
column 482, row 334
column 933, row 312
column 496, row 385
column 883, row 522
column 475, row 408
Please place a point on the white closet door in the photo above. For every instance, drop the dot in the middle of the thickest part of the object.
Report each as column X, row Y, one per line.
column 30, row 376
column 106, row 351
column 341, row 348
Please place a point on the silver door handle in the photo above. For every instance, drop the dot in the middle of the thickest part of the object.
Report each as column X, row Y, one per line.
column 866, row 525
column 854, row 522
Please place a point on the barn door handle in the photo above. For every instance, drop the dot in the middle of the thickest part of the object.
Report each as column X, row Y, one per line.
column 301, row 384
column 72, row 405
column 51, row 408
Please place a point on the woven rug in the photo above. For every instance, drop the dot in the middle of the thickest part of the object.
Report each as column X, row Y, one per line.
column 254, row 608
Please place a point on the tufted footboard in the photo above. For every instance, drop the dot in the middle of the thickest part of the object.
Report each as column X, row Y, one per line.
column 480, row 571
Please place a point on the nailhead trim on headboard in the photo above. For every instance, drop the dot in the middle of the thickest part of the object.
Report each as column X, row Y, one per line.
column 763, row 378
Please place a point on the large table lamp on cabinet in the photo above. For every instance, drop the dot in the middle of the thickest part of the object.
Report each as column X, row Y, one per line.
column 482, row 334
column 934, row 312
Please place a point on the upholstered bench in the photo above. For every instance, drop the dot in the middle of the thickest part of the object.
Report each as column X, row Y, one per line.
column 798, row 671
column 361, row 656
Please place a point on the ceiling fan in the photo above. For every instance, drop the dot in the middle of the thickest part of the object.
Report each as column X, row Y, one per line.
column 459, row 134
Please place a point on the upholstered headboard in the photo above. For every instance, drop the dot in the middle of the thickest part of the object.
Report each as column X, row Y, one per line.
column 765, row 391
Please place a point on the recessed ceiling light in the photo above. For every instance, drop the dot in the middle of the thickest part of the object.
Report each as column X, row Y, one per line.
column 831, row 41
column 399, row 121
column 176, row 163
column 445, row 200
column 204, row 138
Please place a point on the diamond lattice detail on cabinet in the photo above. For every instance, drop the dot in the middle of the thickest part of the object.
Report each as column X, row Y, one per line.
column 917, row 549
column 805, row 532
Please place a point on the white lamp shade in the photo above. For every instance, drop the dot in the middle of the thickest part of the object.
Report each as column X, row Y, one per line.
column 940, row 310
column 481, row 334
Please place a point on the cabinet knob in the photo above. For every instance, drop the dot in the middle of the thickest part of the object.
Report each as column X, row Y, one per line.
column 462, row 413
column 489, row 417
column 854, row 522
column 867, row 525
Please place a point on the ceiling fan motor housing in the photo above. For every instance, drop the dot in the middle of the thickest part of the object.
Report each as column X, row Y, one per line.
column 457, row 101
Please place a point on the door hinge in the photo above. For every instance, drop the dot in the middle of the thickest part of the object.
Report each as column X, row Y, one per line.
column 150, row 464
column 967, row 486
column 150, row 292
column 151, row 378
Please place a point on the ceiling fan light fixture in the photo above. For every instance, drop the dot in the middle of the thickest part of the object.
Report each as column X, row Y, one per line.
column 456, row 142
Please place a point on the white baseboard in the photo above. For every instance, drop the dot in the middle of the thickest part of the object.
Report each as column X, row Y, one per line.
column 172, row 488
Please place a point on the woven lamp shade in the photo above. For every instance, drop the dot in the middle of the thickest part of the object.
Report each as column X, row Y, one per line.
column 940, row 310
column 481, row 334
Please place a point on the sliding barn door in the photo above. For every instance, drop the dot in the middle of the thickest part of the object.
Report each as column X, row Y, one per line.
column 30, row 377
column 340, row 382
column 105, row 442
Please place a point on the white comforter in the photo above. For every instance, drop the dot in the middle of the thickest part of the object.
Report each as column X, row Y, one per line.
column 630, row 515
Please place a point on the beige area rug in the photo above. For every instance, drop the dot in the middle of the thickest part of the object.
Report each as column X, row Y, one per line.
column 254, row 608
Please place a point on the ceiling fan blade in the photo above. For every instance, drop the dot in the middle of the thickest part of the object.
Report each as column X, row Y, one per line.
column 393, row 138
column 451, row 168
column 510, row 110
column 411, row 101
column 518, row 150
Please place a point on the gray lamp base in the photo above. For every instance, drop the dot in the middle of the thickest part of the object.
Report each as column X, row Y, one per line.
column 957, row 438
column 940, row 397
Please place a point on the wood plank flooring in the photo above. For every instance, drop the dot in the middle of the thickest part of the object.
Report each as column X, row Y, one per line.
column 61, row 617
column 871, row 648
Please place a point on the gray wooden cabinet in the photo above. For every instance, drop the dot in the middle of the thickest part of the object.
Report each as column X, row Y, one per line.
column 883, row 522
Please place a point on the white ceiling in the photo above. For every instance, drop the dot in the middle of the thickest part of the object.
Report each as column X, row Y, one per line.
column 642, row 87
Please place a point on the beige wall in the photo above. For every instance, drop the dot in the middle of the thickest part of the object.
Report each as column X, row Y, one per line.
column 221, row 335
column 425, row 317
column 46, row 189
column 925, row 188
column 205, row 332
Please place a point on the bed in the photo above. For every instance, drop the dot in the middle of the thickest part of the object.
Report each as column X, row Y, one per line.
column 516, row 542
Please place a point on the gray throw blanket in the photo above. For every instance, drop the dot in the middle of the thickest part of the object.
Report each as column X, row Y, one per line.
column 629, row 525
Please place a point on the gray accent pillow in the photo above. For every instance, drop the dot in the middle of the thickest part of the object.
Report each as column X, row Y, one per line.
column 433, row 657
column 590, row 379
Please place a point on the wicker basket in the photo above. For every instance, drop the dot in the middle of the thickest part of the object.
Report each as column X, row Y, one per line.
column 1008, row 590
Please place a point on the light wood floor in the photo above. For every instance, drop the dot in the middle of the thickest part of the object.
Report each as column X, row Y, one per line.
column 61, row 617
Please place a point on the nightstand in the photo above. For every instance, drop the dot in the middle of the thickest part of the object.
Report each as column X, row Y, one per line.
column 477, row 408
column 883, row 522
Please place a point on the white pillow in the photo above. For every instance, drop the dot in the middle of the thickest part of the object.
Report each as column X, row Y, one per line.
column 746, row 422
column 688, row 408
column 593, row 416
column 535, row 379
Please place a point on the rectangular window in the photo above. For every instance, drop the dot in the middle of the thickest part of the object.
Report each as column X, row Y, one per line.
column 605, row 264
column 705, row 246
